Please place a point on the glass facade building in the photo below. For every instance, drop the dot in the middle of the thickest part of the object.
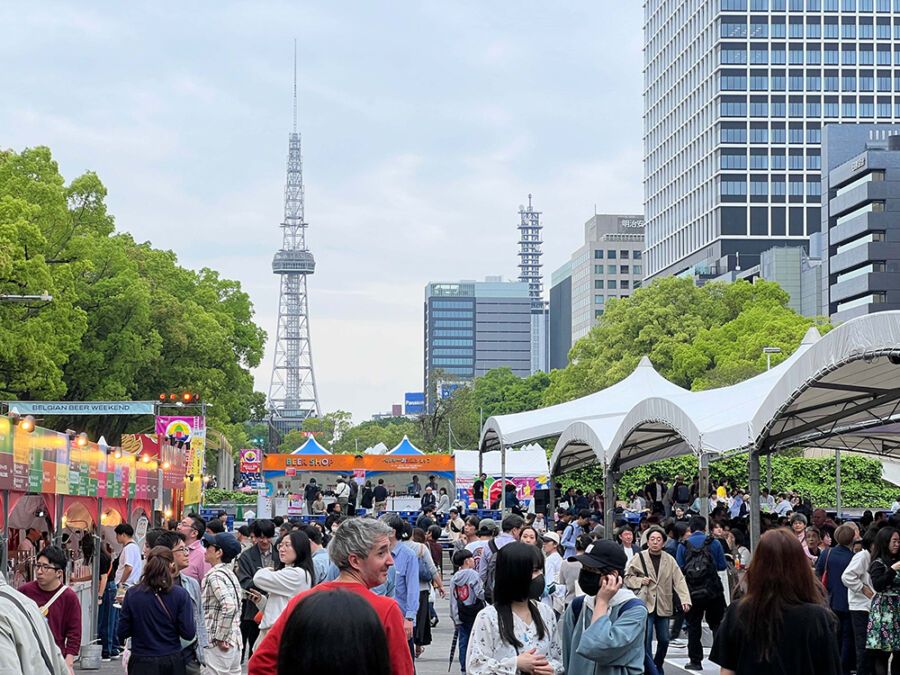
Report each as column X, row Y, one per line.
column 736, row 94
column 472, row 327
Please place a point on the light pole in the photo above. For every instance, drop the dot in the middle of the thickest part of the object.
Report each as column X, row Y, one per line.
column 768, row 351
column 43, row 297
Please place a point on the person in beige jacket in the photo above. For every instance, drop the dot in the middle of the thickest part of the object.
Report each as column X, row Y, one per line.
column 656, row 578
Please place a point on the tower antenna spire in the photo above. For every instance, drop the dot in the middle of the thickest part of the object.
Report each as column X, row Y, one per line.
column 295, row 85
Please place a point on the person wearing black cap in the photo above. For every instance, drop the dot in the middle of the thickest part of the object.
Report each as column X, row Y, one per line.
column 603, row 631
column 222, row 605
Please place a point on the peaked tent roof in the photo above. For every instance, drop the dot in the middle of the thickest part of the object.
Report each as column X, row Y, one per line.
column 311, row 447
column 405, row 447
column 378, row 449
column 615, row 400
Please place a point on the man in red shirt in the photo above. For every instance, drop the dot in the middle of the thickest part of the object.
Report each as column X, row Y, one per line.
column 361, row 551
column 56, row 601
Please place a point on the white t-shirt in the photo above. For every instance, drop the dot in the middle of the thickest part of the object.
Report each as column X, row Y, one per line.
column 130, row 555
column 477, row 549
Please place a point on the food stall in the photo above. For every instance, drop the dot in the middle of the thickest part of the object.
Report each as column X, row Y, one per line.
column 527, row 469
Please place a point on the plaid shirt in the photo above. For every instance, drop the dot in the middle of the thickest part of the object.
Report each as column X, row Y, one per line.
column 222, row 605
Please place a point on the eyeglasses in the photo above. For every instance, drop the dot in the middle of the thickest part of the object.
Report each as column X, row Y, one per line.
column 183, row 549
column 41, row 567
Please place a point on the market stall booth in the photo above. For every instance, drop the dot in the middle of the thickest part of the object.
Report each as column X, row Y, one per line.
column 286, row 476
column 526, row 469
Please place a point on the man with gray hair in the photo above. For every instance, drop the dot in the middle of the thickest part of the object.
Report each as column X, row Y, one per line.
column 361, row 550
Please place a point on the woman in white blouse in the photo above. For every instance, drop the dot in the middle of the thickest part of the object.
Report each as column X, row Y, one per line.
column 296, row 574
column 516, row 633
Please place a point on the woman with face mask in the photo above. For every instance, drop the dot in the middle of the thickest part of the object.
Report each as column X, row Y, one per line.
column 516, row 633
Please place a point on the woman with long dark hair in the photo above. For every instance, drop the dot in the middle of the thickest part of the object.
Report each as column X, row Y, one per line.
column 157, row 615
column 883, row 635
column 295, row 574
column 782, row 624
column 516, row 633
column 333, row 632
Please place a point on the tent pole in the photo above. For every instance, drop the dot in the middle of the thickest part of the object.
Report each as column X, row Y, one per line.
column 769, row 472
column 502, row 482
column 753, row 471
column 609, row 502
column 551, row 501
column 837, row 480
column 58, row 520
column 703, row 485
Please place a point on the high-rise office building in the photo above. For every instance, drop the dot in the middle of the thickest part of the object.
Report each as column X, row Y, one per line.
column 560, row 317
column 608, row 265
column 736, row 93
column 472, row 327
column 861, row 217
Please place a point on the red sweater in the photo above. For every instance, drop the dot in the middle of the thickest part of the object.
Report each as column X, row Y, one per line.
column 265, row 657
column 64, row 616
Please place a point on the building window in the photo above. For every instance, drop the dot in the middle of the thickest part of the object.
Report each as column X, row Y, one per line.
column 598, row 299
column 611, row 284
column 623, row 254
column 636, row 269
column 610, row 269
column 598, row 269
column 611, row 254
column 624, row 284
column 598, row 253
column 598, row 284
column 636, row 254
column 623, row 269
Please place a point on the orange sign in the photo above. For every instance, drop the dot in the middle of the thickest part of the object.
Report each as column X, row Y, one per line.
column 309, row 462
column 350, row 463
column 408, row 463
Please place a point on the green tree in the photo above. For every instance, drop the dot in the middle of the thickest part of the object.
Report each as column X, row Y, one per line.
column 126, row 321
column 389, row 431
column 697, row 337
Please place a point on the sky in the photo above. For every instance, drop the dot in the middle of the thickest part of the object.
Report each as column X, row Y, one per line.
column 424, row 124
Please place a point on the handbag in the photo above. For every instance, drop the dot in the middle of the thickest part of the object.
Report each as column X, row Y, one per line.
column 825, row 570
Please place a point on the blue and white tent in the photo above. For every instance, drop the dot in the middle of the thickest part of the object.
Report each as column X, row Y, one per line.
column 405, row 447
column 311, row 447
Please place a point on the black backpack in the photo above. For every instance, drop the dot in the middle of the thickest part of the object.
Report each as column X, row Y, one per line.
column 682, row 494
column 491, row 573
column 700, row 572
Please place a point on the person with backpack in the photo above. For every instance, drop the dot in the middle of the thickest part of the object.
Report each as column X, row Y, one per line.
column 429, row 575
column 466, row 600
column 681, row 494
column 658, row 581
column 701, row 558
column 602, row 632
column 572, row 532
column 510, row 529
column 406, row 575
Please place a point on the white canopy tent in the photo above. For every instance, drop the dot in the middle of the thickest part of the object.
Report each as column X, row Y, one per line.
column 835, row 391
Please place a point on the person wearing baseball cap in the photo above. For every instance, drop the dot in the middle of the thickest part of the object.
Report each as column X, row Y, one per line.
column 556, row 592
column 603, row 631
column 222, row 604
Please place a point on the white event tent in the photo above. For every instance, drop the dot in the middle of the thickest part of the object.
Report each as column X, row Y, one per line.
column 837, row 391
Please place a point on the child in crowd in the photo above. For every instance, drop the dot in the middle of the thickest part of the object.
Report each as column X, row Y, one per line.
column 466, row 599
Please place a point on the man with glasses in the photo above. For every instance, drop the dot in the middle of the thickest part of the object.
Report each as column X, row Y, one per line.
column 56, row 602
column 194, row 653
column 260, row 555
column 128, row 574
column 193, row 527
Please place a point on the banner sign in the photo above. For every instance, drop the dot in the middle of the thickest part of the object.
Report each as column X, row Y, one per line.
column 250, row 460
column 183, row 429
column 44, row 461
column 83, row 407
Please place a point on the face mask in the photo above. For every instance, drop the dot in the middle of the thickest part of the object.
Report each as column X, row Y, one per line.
column 589, row 582
column 536, row 588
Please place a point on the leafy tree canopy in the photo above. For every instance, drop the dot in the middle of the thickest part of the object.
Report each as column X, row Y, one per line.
column 126, row 321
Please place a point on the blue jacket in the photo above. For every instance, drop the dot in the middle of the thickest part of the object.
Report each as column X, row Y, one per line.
column 614, row 645
column 570, row 534
column 406, row 580
column 715, row 548
column 836, row 560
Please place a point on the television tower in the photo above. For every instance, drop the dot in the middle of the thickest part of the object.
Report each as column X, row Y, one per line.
column 530, row 253
column 292, row 393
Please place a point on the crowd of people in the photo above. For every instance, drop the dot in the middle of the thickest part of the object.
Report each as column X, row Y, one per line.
column 534, row 593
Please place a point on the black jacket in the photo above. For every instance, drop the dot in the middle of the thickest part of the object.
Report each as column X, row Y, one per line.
column 249, row 562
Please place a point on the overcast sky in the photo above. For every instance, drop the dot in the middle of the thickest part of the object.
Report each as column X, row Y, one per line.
column 425, row 125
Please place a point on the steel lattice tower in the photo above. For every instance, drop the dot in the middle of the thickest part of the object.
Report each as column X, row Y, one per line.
column 530, row 241
column 292, row 393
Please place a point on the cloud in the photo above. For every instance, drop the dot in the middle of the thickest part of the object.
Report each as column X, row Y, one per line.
column 424, row 125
